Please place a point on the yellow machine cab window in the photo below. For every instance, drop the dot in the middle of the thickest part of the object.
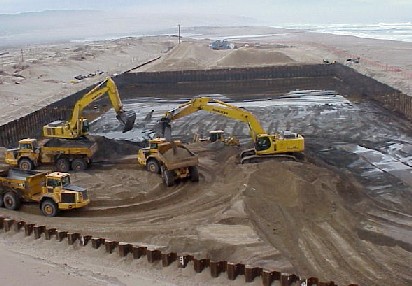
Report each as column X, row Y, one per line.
column 51, row 182
column 65, row 181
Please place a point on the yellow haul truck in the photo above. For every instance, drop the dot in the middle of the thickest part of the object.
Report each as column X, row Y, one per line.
column 52, row 191
column 63, row 154
column 170, row 159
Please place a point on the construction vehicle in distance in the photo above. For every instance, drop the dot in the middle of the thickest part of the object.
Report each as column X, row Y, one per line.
column 285, row 144
column 217, row 136
column 52, row 191
column 172, row 160
column 63, row 154
column 78, row 126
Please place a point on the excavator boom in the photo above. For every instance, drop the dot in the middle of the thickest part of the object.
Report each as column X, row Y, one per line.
column 77, row 126
column 266, row 145
column 219, row 107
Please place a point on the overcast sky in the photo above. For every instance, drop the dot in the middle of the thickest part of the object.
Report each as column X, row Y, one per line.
column 272, row 12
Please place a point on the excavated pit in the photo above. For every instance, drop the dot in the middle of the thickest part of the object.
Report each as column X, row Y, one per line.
column 342, row 215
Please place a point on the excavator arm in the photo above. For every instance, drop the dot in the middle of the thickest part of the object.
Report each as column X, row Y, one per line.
column 219, row 107
column 77, row 126
column 286, row 144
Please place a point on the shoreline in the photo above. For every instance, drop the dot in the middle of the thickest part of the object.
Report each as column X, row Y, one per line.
column 27, row 83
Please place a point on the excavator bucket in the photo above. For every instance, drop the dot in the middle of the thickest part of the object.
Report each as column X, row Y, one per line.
column 127, row 118
column 163, row 129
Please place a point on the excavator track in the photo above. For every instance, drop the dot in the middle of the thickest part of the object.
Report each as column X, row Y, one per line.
column 260, row 158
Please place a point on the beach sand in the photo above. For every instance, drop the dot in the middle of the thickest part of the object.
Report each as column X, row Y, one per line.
column 234, row 212
column 32, row 77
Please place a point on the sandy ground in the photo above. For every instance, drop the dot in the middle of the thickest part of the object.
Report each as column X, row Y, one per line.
column 342, row 215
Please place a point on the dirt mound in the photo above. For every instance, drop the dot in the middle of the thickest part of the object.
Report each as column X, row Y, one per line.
column 294, row 185
column 253, row 57
column 57, row 142
column 191, row 55
column 108, row 149
column 176, row 154
column 198, row 55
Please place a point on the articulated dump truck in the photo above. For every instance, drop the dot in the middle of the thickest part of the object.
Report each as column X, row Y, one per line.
column 52, row 191
column 172, row 160
column 63, row 154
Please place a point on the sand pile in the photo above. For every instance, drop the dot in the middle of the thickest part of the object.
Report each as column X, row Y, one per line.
column 177, row 154
column 110, row 149
column 253, row 57
column 190, row 55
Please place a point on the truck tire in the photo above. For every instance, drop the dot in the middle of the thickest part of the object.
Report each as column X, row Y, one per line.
column 153, row 166
column 1, row 200
column 79, row 165
column 62, row 165
column 169, row 178
column 26, row 164
column 194, row 173
column 11, row 201
column 49, row 208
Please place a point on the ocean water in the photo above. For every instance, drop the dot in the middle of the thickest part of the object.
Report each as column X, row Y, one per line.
column 382, row 31
column 79, row 26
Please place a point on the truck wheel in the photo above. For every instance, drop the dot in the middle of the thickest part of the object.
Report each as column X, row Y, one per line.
column 169, row 178
column 26, row 164
column 49, row 208
column 11, row 201
column 79, row 165
column 62, row 165
column 194, row 173
column 153, row 166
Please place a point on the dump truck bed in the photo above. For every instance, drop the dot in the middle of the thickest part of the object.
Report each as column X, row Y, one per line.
column 64, row 146
column 27, row 183
column 178, row 157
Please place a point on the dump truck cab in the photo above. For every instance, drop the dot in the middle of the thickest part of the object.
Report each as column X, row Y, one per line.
column 26, row 156
column 59, row 194
column 147, row 154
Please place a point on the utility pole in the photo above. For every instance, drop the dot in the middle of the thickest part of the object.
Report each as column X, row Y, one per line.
column 179, row 32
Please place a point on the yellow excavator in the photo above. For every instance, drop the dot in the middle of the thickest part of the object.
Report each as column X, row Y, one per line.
column 284, row 144
column 78, row 126
column 217, row 136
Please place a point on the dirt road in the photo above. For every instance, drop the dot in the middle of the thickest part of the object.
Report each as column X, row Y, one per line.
column 342, row 215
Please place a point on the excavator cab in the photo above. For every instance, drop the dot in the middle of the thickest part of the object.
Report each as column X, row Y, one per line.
column 263, row 143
